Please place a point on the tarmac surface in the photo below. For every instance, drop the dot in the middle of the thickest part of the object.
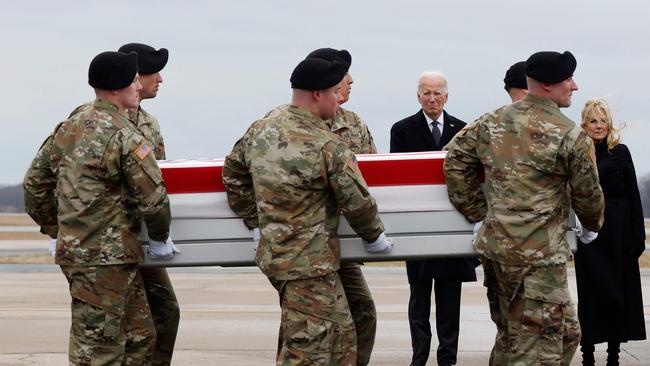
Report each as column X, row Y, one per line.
column 230, row 316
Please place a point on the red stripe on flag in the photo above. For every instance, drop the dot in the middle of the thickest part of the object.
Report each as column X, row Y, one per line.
column 193, row 180
column 402, row 172
column 377, row 173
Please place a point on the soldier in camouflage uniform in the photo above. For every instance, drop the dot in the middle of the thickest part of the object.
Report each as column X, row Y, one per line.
column 292, row 177
column 355, row 133
column 537, row 163
column 347, row 124
column 78, row 189
column 515, row 81
column 160, row 292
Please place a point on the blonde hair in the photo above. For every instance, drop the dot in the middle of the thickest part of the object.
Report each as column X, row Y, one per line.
column 598, row 106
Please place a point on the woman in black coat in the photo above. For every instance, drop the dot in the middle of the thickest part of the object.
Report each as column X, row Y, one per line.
column 610, row 307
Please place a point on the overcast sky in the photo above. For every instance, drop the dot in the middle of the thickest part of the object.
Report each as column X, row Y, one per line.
column 230, row 61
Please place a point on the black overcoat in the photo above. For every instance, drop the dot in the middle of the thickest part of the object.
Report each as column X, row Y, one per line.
column 412, row 134
column 610, row 307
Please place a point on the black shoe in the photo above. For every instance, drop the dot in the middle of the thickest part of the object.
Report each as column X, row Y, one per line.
column 613, row 348
column 588, row 355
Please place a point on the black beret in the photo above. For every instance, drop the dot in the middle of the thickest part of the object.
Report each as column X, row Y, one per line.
column 113, row 70
column 516, row 76
column 316, row 74
column 551, row 67
column 150, row 61
column 343, row 57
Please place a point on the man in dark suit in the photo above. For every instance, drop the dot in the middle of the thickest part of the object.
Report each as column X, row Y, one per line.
column 430, row 129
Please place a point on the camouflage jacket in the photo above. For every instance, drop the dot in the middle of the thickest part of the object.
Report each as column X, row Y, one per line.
column 352, row 130
column 150, row 128
column 537, row 163
column 146, row 123
column 293, row 177
column 39, row 193
column 347, row 125
column 98, row 163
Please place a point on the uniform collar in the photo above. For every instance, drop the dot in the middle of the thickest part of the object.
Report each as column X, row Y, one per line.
column 305, row 114
column 103, row 104
column 339, row 121
column 135, row 114
column 108, row 106
column 539, row 100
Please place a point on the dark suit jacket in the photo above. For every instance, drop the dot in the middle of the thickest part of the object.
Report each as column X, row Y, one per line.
column 412, row 134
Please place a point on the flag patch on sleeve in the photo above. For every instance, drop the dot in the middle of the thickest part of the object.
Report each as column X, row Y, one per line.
column 353, row 164
column 143, row 150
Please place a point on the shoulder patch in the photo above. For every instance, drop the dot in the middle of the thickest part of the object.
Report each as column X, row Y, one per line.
column 143, row 150
column 353, row 164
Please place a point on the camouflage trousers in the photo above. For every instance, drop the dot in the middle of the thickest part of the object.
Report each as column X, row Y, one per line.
column 111, row 322
column 535, row 318
column 316, row 326
column 362, row 308
column 165, row 311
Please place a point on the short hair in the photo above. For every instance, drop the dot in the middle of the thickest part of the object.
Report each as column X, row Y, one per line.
column 433, row 74
column 600, row 106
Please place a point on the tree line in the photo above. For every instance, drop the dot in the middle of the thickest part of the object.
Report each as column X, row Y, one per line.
column 11, row 198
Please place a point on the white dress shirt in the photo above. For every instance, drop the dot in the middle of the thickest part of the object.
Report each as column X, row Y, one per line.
column 441, row 122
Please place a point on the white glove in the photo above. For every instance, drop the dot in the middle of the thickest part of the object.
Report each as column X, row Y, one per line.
column 381, row 245
column 52, row 249
column 585, row 236
column 161, row 250
column 255, row 233
column 174, row 249
column 475, row 230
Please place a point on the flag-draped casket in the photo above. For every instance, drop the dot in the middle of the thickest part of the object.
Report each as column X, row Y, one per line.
column 409, row 189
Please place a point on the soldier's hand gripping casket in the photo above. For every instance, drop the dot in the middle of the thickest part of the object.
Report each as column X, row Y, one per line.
column 162, row 250
column 255, row 233
column 584, row 235
column 475, row 230
column 381, row 245
column 52, row 249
